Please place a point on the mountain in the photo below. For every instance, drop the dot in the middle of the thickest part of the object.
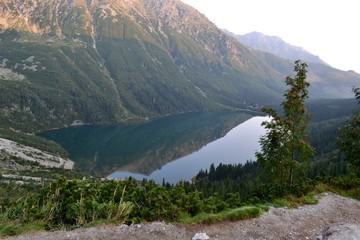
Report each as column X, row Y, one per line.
column 96, row 61
column 276, row 46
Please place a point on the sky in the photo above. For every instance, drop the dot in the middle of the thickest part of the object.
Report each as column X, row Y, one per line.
column 326, row 28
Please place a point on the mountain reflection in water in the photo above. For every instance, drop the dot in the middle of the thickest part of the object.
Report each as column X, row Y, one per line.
column 148, row 149
column 238, row 146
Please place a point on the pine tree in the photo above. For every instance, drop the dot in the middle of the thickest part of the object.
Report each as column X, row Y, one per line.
column 349, row 138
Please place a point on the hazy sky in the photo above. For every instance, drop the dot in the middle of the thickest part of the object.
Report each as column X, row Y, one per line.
column 327, row 28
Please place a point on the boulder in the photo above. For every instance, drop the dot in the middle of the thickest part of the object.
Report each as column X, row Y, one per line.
column 340, row 232
column 200, row 236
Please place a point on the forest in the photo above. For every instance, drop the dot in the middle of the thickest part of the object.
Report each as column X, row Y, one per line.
column 298, row 159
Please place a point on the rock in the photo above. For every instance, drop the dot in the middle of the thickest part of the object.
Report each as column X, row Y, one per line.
column 341, row 232
column 200, row 236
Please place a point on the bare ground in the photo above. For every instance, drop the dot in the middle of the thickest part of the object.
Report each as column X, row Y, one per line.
column 334, row 217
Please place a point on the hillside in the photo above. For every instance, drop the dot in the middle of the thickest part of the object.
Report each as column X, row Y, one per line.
column 20, row 157
column 23, row 165
column 65, row 62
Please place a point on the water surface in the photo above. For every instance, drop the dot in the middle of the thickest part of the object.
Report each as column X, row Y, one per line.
column 237, row 146
column 143, row 149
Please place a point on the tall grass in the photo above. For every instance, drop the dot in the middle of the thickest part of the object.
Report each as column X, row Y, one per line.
column 241, row 213
column 66, row 203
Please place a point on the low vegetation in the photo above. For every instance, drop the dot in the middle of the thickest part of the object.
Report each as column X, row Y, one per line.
column 71, row 203
column 74, row 203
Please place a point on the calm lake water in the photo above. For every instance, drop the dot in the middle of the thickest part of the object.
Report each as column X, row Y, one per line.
column 237, row 146
column 172, row 148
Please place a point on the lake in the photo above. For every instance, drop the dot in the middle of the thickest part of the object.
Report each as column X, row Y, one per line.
column 237, row 146
column 174, row 147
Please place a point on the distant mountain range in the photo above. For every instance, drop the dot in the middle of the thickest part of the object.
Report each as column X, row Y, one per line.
column 276, row 46
column 108, row 61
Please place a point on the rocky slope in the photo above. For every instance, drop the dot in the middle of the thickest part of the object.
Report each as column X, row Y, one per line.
column 15, row 156
column 333, row 218
column 277, row 46
column 103, row 61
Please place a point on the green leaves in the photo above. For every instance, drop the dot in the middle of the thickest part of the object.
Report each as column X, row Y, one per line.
column 285, row 151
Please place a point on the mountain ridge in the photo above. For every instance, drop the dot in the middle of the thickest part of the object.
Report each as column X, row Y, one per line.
column 117, row 61
column 276, row 46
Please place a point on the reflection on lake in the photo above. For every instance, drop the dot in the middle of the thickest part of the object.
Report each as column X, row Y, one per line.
column 238, row 146
column 143, row 149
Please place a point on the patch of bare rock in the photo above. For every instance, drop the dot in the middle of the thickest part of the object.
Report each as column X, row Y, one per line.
column 334, row 217
column 11, row 152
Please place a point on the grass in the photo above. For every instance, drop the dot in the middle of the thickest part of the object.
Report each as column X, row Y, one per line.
column 15, row 228
column 241, row 213
column 347, row 186
column 292, row 201
column 281, row 202
column 353, row 193
column 300, row 201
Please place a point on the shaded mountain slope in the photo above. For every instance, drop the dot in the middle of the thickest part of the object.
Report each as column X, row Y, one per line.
column 128, row 60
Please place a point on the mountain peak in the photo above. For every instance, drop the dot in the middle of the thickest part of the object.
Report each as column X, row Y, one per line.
column 277, row 46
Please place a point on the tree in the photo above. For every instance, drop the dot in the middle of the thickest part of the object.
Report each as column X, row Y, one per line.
column 285, row 151
column 349, row 138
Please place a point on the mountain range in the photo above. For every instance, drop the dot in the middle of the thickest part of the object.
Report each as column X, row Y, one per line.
column 276, row 46
column 109, row 61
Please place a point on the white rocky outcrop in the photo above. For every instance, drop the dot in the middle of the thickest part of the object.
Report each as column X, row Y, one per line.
column 25, row 153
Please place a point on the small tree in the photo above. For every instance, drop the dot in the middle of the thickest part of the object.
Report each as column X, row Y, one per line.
column 273, row 149
column 349, row 138
column 285, row 152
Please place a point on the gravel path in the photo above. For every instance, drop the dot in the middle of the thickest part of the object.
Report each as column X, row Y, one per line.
column 334, row 217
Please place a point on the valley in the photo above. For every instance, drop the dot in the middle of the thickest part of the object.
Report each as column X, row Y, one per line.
column 92, row 90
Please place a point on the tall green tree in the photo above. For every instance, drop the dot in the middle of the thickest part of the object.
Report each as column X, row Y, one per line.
column 349, row 138
column 285, row 151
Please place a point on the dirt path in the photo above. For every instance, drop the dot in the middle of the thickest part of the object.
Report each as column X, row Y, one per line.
column 334, row 217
